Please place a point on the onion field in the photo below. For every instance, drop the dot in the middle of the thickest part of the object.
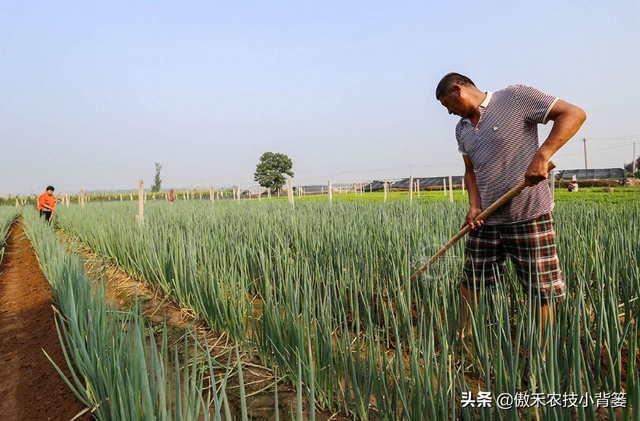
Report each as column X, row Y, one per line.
column 321, row 294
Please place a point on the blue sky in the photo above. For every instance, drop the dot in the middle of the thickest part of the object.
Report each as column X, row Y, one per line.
column 93, row 93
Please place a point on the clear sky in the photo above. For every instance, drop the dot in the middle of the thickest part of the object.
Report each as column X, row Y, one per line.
column 92, row 93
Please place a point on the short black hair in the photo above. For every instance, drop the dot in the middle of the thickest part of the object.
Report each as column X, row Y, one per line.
column 50, row 188
column 444, row 87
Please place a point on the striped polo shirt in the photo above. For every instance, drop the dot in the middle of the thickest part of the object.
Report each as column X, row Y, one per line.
column 501, row 148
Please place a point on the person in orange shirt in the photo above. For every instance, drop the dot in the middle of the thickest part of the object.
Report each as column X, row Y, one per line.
column 47, row 203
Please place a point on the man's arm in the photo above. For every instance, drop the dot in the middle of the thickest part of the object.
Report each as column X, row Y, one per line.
column 475, row 206
column 567, row 119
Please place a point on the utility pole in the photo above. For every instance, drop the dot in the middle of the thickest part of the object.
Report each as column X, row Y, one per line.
column 584, row 139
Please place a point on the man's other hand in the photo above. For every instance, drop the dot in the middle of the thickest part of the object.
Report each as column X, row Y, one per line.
column 471, row 216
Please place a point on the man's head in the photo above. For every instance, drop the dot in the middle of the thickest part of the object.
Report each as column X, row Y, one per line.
column 50, row 190
column 458, row 94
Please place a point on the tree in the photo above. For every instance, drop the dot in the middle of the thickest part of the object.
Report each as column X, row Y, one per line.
column 629, row 167
column 271, row 170
column 156, row 181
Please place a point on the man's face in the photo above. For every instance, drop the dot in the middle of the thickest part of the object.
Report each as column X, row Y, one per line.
column 50, row 192
column 455, row 102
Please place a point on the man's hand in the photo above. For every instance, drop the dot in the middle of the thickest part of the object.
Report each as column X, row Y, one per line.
column 538, row 170
column 471, row 216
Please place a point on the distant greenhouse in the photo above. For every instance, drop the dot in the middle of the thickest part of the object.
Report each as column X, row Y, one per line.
column 595, row 174
column 403, row 183
column 430, row 183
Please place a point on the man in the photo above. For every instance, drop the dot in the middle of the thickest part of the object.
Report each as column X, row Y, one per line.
column 498, row 137
column 47, row 203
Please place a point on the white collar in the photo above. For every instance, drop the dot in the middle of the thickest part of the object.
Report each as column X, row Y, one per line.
column 484, row 104
column 487, row 99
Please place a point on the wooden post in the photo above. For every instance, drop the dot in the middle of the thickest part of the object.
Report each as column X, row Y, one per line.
column 418, row 187
column 82, row 199
column 268, row 192
column 386, row 189
column 17, row 202
column 411, row 190
column 450, row 189
column 464, row 192
column 141, row 197
column 444, row 183
column 200, row 193
column 330, row 192
column 290, row 191
column 238, row 193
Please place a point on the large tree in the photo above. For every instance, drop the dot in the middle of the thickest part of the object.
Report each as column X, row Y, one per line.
column 271, row 170
column 629, row 167
column 156, row 181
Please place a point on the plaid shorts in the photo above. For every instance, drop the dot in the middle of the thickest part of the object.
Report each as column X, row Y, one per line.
column 530, row 245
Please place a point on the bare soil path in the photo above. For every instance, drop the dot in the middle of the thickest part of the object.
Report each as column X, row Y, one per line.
column 30, row 387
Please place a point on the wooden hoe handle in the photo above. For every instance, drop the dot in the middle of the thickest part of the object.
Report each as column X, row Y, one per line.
column 484, row 215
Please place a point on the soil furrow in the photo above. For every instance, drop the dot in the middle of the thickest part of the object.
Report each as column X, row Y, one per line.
column 30, row 387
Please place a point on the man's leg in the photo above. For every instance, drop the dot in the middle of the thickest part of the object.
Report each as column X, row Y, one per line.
column 531, row 247
column 546, row 325
column 468, row 300
column 485, row 259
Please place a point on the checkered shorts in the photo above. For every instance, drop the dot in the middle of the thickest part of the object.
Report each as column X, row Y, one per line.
column 532, row 249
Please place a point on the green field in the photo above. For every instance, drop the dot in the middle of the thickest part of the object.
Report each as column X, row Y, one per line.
column 322, row 294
